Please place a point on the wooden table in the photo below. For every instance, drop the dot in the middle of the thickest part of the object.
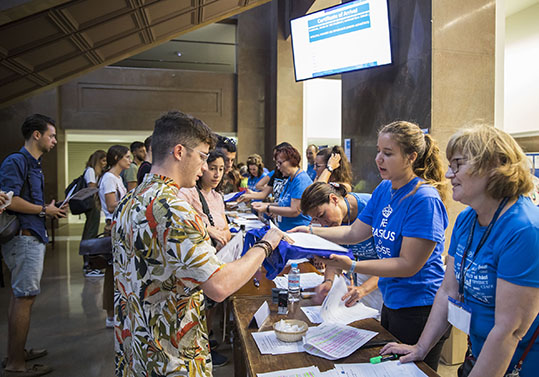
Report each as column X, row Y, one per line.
column 248, row 357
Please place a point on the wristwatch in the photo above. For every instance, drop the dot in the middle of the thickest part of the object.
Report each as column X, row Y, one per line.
column 330, row 169
column 43, row 211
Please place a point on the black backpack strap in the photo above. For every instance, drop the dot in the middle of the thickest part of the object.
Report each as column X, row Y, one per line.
column 205, row 207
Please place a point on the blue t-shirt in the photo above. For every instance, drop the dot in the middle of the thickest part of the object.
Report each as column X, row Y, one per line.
column 13, row 177
column 293, row 189
column 364, row 250
column 311, row 172
column 252, row 181
column 394, row 215
column 511, row 253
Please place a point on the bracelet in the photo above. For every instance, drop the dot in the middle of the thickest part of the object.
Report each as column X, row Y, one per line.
column 268, row 249
column 311, row 228
column 331, row 280
column 352, row 267
column 268, row 209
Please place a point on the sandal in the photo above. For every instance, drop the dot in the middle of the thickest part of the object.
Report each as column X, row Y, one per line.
column 30, row 354
column 34, row 371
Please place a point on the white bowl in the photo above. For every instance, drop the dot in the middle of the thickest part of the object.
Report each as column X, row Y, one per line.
column 288, row 336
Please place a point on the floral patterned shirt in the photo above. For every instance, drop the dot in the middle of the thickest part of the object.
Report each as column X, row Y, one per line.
column 162, row 253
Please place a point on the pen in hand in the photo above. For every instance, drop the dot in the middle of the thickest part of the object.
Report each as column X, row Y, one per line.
column 381, row 359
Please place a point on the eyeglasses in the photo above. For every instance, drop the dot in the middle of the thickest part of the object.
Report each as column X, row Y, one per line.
column 279, row 163
column 455, row 164
column 203, row 156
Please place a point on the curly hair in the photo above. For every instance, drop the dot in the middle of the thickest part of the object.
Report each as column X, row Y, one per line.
column 491, row 151
column 428, row 164
column 343, row 173
column 256, row 159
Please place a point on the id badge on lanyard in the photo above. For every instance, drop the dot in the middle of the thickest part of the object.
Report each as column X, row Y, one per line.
column 459, row 315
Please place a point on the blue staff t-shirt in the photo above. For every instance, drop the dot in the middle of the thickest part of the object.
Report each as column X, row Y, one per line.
column 311, row 172
column 364, row 250
column 393, row 214
column 252, row 181
column 511, row 253
column 293, row 189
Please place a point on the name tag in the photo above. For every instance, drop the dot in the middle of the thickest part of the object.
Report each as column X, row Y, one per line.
column 459, row 315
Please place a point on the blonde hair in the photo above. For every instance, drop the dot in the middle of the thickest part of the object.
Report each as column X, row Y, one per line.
column 491, row 151
column 428, row 164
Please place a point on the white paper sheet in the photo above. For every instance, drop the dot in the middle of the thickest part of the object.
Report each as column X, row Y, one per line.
column 313, row 313
column 312, row 241
column 334, row 309
column 232, row 250
column 385, row 369
column 8, row 202
column 262, row 314
column 268, row 344
column 297, row 372
column 334, row 341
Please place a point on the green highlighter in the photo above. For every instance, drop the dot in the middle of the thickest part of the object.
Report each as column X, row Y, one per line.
column 381, row 359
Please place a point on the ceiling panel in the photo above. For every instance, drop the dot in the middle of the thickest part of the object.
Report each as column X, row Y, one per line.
column 49, row 46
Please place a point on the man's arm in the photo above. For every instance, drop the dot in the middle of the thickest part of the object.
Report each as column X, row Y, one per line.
column 20, row 205
column 233, row 276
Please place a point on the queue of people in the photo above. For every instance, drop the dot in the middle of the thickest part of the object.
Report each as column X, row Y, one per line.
column 164, row 277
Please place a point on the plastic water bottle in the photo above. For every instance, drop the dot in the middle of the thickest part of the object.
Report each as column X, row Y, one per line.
column 293, row 284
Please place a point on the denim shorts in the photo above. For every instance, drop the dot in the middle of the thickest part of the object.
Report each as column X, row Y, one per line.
column 24, row 257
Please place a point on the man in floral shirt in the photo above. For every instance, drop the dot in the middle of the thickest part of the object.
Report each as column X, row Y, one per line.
column 164, row 261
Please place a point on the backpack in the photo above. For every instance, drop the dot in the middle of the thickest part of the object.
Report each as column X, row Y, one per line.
column 9, row 223
column 81, row 197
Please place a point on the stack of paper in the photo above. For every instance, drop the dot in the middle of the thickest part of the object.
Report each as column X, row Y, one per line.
column 298, row 372
column 333, row 341
column 334, row 309
column 268, row 344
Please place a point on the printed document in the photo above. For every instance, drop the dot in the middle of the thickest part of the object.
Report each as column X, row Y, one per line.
column 297, row 372
column 334, row 309
column 333, row 341
column 312, row 241
column 268, row 344
column 385, row 369
column 312, row 313
column 232, row 250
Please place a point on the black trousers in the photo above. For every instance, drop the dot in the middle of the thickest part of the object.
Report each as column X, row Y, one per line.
column 407, row 324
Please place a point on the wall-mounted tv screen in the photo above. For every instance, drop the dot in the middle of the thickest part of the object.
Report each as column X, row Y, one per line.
column 343, row 38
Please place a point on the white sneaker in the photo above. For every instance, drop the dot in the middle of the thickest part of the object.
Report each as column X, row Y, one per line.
column 93, row 273
column 109, row 323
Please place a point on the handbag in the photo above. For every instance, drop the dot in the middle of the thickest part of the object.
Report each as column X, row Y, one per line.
column 469, row 361
column 98, row 250
column 83, row 200
column 9, row 226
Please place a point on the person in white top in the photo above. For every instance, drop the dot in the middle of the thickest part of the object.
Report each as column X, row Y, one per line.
column 111, row 190
column 94, row 168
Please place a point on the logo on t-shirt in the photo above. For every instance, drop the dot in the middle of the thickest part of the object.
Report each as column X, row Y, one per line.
column 387, row 211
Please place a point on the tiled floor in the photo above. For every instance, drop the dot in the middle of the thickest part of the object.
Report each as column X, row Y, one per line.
column 67, row 318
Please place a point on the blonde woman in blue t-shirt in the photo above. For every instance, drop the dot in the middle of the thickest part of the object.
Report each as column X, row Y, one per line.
column 407, row 218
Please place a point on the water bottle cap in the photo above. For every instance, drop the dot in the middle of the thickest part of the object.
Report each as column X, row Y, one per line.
column 294, row 265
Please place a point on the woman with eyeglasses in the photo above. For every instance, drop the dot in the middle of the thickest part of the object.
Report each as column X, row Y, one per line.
column 493, row 260
column 407, row 218
column 331, row 165
column 287, row 210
